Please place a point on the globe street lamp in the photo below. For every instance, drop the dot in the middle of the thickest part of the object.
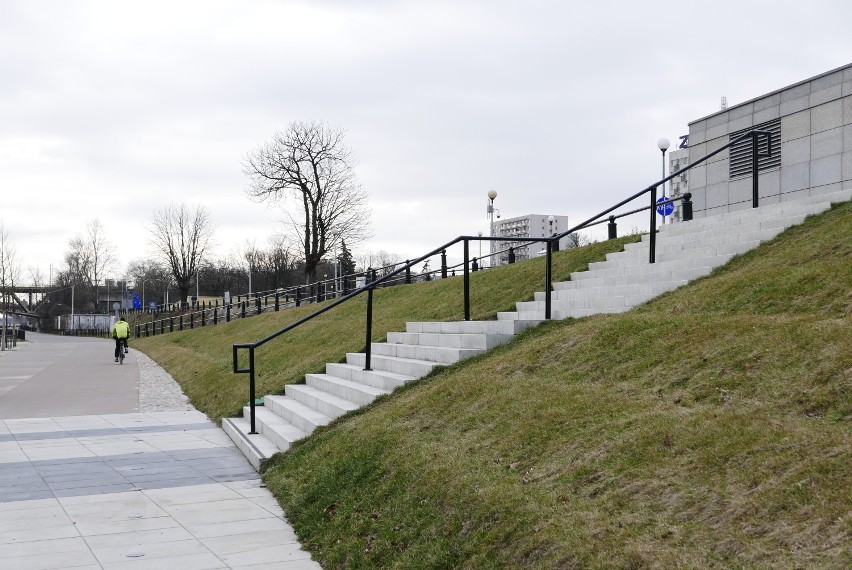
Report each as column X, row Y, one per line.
column 663, row 145
column 490, row 211
column 550, row 219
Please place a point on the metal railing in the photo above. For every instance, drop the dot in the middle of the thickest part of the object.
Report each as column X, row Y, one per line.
column 551, row 243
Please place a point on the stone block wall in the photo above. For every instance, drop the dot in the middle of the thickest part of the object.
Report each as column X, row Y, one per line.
column 816, row 145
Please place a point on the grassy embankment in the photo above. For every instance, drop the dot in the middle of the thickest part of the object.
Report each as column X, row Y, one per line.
column 200, row 359
column 708, row 428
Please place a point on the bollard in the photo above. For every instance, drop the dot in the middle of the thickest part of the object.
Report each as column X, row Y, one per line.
column 687, row 207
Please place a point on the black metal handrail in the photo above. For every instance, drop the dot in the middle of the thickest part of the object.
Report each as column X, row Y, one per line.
column 550, row 243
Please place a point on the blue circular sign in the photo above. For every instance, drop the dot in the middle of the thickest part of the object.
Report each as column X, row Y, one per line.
column 665, row 209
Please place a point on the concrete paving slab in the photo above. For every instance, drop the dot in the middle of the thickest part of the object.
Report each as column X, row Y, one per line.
column 90, row 481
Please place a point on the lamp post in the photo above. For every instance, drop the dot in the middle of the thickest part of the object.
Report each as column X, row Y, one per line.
column 490, row 211
column 663, row 145
column 550, row 219
column 143, row 295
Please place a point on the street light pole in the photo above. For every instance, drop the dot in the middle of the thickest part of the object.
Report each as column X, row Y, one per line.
column 663, row 145
column 490, row 210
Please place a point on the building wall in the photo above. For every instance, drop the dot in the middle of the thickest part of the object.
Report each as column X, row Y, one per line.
column 678, row 185
column 816, row 145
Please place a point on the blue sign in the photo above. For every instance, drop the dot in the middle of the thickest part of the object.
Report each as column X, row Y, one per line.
column 665, row 209
column 137, row 303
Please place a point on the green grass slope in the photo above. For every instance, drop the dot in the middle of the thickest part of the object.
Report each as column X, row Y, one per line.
column 200, row 359
column 708, row 428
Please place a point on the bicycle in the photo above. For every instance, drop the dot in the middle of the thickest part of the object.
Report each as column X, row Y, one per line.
column 120, row 349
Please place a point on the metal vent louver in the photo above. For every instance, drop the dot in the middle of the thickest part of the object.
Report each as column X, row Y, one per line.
column 740, row 163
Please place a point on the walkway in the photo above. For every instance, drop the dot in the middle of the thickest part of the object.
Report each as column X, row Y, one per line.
column 108, row 466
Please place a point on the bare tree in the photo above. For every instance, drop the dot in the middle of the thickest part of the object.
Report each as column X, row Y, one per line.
column 309, row 170
column 151, row 278
column 101, row 254
column 382, row 261
column 182, row 235
column 9, row 271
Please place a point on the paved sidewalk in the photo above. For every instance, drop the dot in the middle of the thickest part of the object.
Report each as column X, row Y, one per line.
column 156, row 489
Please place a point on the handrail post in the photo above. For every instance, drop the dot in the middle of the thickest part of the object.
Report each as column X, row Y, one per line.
column 548, row 280
column 612, row 228
column 277, row 300
column 369, row 343
column 444, row 264
column 474, row 266
column 511, row 255
column 653, row 240
column 298, row 296
column 754, row 177
column 466, row 281
column 407, row 272
column 252, row 395
column 687, row 207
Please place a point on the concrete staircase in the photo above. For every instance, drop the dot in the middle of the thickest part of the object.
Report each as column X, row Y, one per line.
column 406, row 356
column 685, row 252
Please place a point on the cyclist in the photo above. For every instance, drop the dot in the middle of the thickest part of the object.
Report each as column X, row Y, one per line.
column 120, row 332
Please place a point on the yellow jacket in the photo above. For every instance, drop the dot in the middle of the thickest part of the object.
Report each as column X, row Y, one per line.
column 121, row 329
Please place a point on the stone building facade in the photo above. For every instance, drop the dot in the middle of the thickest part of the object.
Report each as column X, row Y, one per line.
column 811, row 123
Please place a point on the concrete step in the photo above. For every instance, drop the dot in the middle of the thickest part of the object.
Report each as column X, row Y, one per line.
column 683, row 254
column 404, row 366
column 638, row 270
column 603, row 297
column 630, row 279
column 256, row 448
column 471, row 327
column 377, row 378
column 715, row 240
column 303, row 417
column 618, row 287
column 720, row 235
column 323, row 402
column 273, row 427
column 449, row 340
column 561, row 314
column 439, row 354
column 361, row 394
column 806, row 206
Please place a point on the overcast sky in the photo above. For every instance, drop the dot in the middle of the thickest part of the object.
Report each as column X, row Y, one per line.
column 110, row 109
